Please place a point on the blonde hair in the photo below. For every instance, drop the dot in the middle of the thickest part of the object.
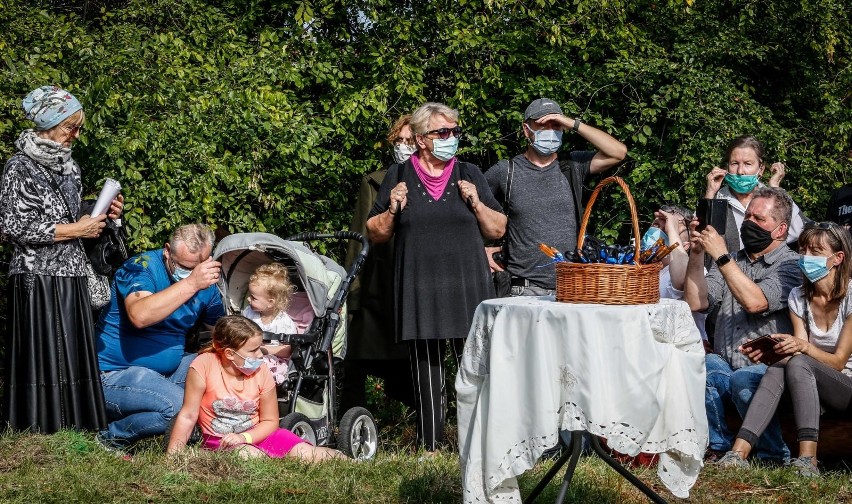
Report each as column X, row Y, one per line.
column 194, row 236
column 275, row 280
column 420, row 118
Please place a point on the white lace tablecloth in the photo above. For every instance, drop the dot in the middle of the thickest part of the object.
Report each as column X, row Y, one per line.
column 532, row 366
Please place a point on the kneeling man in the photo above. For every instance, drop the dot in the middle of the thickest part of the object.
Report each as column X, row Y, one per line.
column 157, row 298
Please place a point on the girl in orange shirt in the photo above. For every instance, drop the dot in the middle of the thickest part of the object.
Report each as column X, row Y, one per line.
column 231, row 394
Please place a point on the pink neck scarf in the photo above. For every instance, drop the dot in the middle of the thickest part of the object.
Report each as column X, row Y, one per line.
column 434, row 185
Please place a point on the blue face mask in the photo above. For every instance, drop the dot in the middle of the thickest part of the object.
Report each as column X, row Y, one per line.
column 445, row 149
column 814, row 267
column 546, row 141
column 180, row 273
column 250, row 365
column 742, row 184
column 651, row 236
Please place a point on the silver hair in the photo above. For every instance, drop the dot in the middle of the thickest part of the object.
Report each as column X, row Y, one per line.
column 194, row 236
column 420, row 118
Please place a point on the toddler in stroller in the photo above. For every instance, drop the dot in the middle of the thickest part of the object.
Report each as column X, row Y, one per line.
column 306, row 398
column 269, row 294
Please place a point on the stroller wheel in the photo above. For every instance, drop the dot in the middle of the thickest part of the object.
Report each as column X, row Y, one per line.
column 300, row 425
column 358, row 436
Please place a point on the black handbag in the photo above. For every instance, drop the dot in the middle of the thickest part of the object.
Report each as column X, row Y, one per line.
column 108, row 251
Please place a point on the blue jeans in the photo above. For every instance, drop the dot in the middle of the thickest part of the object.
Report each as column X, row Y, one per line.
column 140, row 402
column 738, row 386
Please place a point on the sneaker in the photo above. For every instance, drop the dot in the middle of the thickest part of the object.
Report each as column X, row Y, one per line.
column 804, row 466
column 112, row 447
column 733, row 459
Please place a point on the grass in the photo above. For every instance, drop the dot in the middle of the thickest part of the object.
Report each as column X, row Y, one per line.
column 71, row 467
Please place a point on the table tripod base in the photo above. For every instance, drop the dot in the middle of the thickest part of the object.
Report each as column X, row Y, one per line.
column 573, row 441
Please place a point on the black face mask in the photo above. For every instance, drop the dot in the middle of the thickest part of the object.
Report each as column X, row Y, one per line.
column 754, row 237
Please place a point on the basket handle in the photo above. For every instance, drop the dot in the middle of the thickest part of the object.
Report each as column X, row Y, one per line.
column 605, row 182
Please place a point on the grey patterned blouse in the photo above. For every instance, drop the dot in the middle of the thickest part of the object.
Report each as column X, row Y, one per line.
column 30, row 209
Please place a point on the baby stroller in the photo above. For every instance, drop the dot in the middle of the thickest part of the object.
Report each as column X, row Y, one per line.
column 306, row 399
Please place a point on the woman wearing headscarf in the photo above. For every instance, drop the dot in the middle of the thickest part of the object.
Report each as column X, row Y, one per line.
column 51, row 378
column 437, row 209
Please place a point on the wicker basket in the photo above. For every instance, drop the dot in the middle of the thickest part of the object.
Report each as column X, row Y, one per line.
column 593, row 283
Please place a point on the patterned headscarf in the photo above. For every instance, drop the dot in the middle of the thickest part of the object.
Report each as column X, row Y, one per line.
column 48, row 106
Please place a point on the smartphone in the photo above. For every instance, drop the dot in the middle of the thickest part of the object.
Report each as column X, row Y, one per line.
column 713, row 212
column 766, row 345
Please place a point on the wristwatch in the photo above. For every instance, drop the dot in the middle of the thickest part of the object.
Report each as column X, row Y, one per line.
column 723, row 260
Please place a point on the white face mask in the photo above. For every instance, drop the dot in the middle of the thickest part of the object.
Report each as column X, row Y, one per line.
column 403, row 151
column 546, row 141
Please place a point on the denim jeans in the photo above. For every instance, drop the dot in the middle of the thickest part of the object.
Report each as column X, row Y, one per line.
column 738, row 386
column 141, row 402
column 531, row 290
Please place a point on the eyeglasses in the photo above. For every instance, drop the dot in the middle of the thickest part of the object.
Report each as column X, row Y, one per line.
column 444, row 133
column 406, row 141
column 73, row 130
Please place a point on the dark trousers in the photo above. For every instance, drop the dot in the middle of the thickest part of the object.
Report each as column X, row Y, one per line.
column 395, row 373
column 428, row 375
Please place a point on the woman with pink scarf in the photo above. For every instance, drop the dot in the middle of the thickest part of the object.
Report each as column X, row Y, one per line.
column 438, row 209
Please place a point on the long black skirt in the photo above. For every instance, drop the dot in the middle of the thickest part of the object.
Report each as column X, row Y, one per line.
column 51, row 378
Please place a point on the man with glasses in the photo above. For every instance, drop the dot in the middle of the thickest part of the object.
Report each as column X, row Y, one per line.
column 750, row 288
column 541, row 193
column 157, row 298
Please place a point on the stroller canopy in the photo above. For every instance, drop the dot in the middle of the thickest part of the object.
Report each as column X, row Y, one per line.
column 241, row 253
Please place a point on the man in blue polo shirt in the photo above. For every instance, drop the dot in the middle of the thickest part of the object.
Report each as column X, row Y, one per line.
column 157, row 297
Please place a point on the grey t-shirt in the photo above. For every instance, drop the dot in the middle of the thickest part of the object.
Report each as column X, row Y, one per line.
column 776, row 274
column 541, row 209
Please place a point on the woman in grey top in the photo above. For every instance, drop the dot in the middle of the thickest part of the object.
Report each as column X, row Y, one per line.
column 51, row 379
column 820, row 369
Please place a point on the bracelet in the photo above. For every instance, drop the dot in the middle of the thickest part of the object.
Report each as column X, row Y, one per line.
column 577, row 123
column 391, row 212
column 247, row 437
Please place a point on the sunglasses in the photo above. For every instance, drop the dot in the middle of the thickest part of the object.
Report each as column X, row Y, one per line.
column 832, row 227
column 679, row 212
column 444, row 133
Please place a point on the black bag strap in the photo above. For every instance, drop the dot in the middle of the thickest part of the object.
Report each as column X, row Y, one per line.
column 565, row 167
column 510, row 174
column 55, row 187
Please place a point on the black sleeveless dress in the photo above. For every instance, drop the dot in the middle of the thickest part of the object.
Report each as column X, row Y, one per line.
column 442, row 273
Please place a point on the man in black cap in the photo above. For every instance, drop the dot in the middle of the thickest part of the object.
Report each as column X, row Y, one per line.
column 542, row 193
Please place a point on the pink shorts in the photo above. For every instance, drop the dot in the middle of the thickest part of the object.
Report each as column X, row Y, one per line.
column 276, row 445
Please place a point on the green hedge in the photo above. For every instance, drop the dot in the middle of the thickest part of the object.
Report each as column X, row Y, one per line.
column 263, row 115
